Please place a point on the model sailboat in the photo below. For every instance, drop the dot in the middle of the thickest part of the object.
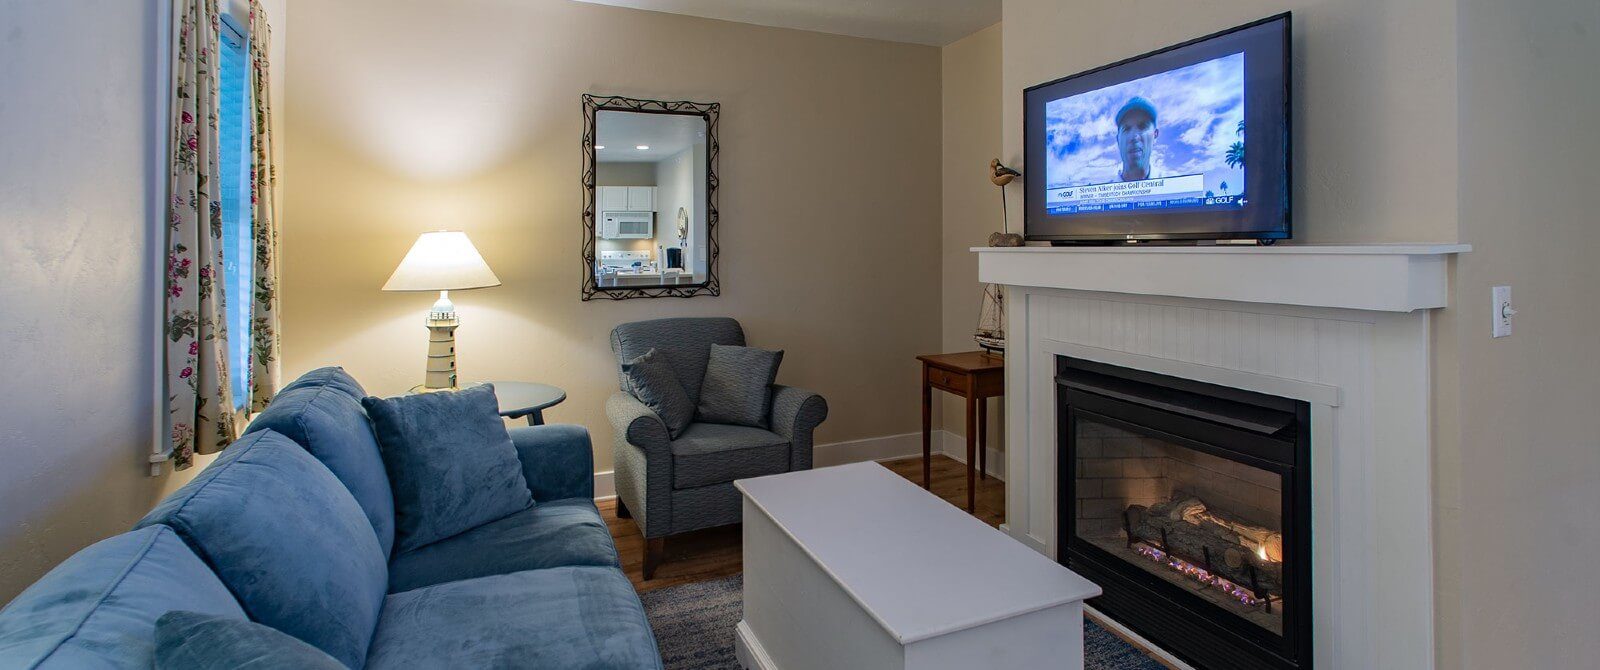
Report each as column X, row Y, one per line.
column 991, row 333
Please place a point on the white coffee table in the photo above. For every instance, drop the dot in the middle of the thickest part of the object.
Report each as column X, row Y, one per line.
column 856, row 567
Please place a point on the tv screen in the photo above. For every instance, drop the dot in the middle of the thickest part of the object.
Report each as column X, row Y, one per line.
column 1190, row 142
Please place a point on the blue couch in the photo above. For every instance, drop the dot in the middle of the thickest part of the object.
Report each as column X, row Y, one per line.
column 293, row 527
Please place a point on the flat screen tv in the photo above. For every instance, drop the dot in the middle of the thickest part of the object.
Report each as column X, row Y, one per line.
column 1187, row 143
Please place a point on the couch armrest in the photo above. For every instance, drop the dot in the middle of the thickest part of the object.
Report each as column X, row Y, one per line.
column 795, row 413
column 557, row 460
column 638, row 425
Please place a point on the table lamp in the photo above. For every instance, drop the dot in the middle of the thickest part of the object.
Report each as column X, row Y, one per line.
column 442, row 261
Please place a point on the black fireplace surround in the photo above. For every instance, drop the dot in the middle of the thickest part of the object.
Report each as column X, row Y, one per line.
column 1190, row 505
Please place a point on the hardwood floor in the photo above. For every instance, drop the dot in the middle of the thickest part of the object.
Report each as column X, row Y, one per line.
column 714, row 553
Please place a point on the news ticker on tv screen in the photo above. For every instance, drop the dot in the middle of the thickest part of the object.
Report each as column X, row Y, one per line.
column 1147, row 194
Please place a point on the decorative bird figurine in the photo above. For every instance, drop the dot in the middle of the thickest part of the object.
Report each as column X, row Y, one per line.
column 1000, row 174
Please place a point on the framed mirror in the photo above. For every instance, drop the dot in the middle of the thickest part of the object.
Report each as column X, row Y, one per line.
column 649, row 198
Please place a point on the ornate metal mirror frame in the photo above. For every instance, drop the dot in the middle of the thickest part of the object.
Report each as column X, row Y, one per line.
column 592, row 105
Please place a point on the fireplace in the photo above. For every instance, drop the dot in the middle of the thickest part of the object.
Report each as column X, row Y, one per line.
column 1189, row 504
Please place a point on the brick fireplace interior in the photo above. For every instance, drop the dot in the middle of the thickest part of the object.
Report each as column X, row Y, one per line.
column 1189, row 504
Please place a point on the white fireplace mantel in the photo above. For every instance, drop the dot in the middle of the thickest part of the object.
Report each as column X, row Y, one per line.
column 1378, row 277
column 1343, row 328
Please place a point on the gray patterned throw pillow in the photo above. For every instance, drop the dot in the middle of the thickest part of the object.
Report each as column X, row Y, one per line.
column 655, row 385
column 738, row 385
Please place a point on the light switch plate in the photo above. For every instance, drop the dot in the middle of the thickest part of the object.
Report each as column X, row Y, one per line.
column 1502, row 310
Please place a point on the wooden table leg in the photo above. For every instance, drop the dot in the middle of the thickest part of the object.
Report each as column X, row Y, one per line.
column 927, row 432
column 983, row 438
column 972, row 443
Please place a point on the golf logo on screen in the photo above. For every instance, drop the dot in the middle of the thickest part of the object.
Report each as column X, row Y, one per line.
column 1172, row 139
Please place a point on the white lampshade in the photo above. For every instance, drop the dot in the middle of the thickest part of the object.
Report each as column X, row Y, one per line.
column 442, row 261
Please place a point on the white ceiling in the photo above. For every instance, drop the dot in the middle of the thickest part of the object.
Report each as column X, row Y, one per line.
column 666, row 134
column 933, row 22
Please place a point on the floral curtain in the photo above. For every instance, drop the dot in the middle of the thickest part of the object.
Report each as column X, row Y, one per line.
column 264, row 366
column 200, row 400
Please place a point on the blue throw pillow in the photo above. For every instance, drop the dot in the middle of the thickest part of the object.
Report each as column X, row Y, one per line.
column 288, row 540
column 451, row 463
column 194, row 641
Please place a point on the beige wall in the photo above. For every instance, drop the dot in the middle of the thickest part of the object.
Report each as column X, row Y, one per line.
column 78, row 204
column 409, row 116
column 971, row 98
column 1519, row 481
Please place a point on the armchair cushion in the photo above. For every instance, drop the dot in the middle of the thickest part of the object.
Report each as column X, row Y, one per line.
column 738, row 386
column 654, row 384
column 551, row 534
column 450, row 461
column 194, row 641
column 714, row 453
column 685, row 341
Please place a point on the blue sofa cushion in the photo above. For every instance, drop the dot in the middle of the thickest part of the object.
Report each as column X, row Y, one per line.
column 288, row 540
column 98, row 609
column 332, row 426
column 332, row 376
column 551, row 534
column 713, row 453
column 573, row 617
column 193, row 641
column 450, row 461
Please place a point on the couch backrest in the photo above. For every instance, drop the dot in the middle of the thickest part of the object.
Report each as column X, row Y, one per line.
column 98, row 609
column 288, row 540
column 686, row 342
column 321, row 416
column 333, row 376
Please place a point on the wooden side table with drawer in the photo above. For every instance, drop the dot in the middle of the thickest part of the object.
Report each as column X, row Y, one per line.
column 976, row 376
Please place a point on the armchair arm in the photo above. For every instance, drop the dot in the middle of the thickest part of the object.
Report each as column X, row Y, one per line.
column 796, row 413
column 641, row 450
column 557, row 460
column 637, row 424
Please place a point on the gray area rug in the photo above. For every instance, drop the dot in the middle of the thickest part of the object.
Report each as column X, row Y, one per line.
column 694, row 624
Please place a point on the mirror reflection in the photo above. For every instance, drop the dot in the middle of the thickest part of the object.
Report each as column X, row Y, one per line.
column 650, row 199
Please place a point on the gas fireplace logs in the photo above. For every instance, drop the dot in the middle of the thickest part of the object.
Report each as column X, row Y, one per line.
column 1248, row 555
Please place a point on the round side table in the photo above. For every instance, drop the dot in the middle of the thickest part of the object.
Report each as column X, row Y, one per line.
column 526, row 399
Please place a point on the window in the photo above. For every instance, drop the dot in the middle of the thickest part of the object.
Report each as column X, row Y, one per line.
column 238, row 240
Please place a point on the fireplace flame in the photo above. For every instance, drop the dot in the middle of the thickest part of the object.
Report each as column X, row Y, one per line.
column 1202, row 575
column 1261, row 552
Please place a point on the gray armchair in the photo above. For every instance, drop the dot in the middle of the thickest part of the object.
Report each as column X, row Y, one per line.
column 675, row 486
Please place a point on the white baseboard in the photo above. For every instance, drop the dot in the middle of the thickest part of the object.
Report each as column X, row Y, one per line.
column 748, row 650
column 605, row 485
column 955, row 447
column 885, row 448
